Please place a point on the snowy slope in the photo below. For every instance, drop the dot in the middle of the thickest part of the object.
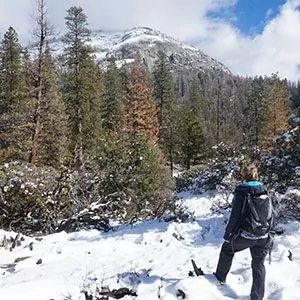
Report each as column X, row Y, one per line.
column 151, row 258
column 123, row 45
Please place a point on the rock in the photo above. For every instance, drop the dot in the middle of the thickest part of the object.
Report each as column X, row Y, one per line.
column 31, row 246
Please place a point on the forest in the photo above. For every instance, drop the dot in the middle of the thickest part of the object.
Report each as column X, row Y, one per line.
column 81, row 145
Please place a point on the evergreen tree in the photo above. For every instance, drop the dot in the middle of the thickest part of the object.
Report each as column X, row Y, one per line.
column 53, row 136
column 166, row 101
column 135, row 184
column 218, row 99
column 149, row 178
column 255, row 112
column 10, row 72
column 192, row 141
column 41, row 34
column 92, row 81
column 48, row 113
column 82, row 88
column 295, row 94
column 15, row 120
column 113, row 116
column 225, row 98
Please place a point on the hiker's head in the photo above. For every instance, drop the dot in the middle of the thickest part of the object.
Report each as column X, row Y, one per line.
column 250, row 173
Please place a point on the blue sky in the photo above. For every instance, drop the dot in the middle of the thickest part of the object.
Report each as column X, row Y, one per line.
column 252, row 15
column 251, row 37
column 249, row 16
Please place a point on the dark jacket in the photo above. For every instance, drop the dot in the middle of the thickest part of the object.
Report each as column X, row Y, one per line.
column 235, row 223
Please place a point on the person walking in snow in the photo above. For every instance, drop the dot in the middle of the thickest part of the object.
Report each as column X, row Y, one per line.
column 249, row 226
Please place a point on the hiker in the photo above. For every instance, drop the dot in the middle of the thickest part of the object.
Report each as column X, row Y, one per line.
column 248, row 227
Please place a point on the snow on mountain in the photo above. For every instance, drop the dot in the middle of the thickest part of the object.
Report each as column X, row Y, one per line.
column 151, row 259
column 124, row 44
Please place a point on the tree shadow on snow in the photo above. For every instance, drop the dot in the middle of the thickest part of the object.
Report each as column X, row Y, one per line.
column 92, row 235
column 210, row 232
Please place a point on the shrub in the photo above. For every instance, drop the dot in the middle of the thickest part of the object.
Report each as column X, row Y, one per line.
column 33, row 198
column 134, row 182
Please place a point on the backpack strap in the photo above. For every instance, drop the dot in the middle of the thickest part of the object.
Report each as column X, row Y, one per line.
column 271, row 212
column 252, row 208
column 244, row 204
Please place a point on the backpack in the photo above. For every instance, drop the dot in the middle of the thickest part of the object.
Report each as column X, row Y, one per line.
column 257, row 213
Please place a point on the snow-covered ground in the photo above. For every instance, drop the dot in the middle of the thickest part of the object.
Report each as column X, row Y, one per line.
column 152, row 258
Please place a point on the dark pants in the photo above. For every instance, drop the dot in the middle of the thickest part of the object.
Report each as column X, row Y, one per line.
column 259, row 249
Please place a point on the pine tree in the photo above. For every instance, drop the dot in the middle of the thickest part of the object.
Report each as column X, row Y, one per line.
column 135, row 182
column 42, row 33
column 10, row 72
column 192, row 141
column 53, row 136
column 113, row 116
column 93, row 89
column 295, row 97
column 166, row 101
column 14, row 101
column 255, row 112
column 217, row 111
column 223, row 114
column 82, row 88
column 150, row 183
column 48, row 121
column 141, row 113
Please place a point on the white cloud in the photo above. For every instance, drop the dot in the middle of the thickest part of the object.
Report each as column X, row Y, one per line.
column 275, row 49
column 16, row 14
column 181, row 19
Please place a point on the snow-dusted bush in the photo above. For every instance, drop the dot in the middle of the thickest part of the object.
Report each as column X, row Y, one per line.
column 179, row 213
column 32, row 198
column 220, row 172
column 127, row 182
column 123, row 184
column 217, row 175
column 278, row 172
column 132, row 181
column 89, row 218
column 289, row 205
column 185, row 179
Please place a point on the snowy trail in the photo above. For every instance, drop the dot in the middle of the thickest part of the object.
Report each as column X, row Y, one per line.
column 152, row 258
